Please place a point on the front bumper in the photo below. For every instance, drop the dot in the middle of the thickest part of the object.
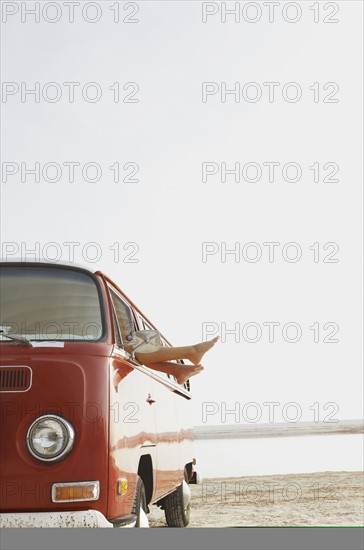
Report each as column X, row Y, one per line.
column 87, row 519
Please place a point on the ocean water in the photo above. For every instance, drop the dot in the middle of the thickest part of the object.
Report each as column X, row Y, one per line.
column 279, row 455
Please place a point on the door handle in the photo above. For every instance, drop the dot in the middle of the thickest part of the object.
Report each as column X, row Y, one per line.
column 150, row 400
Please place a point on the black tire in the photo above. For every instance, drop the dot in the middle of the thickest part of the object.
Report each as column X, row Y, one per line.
column 140, row 507
column 177, row 506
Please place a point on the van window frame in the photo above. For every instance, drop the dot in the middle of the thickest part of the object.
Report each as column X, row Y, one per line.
column 170, row 377
column 84, row 271
column 147, row 326
column 118, row 337
column 117, row 334
column 162, row 378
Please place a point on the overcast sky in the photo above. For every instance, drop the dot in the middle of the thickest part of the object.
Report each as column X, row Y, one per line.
column 160, row 133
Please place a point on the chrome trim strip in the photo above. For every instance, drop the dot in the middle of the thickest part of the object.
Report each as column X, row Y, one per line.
column 122, row 353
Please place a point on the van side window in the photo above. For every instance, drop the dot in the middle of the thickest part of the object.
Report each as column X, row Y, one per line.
column 118, row 339
column 146, row 326
column 124, row 317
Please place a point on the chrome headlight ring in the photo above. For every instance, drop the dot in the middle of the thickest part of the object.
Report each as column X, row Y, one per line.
column 50, row 437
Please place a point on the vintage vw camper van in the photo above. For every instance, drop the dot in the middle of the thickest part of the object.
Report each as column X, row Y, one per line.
column 89, row 436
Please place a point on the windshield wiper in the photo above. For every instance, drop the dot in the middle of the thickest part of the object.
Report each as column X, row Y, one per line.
column 16, row 339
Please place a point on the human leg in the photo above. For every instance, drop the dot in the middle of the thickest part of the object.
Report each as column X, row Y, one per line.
column 192, row 353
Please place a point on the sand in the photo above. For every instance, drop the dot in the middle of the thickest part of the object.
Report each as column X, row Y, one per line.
column 317, row 499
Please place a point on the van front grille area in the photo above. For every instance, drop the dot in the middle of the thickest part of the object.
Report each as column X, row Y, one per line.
column 15, row 379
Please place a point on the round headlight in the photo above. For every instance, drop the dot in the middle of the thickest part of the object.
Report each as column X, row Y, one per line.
column 50, row 437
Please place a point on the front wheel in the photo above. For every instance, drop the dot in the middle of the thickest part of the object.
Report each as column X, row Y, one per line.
column 177, row 505
column 140, row 504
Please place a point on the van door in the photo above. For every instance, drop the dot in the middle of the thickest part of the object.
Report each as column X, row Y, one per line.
column 168, row 474
column 169, row 469
column 132, row 417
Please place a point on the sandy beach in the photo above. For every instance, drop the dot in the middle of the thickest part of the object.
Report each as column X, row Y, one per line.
column 317, row 499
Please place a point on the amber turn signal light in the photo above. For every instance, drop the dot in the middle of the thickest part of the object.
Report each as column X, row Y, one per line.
column 75, row 491
column 121, row 486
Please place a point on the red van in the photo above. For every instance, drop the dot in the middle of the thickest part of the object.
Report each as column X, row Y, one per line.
column 89, row 436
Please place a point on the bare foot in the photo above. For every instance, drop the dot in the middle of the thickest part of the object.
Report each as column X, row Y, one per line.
column 188, row 371
column 199, row 350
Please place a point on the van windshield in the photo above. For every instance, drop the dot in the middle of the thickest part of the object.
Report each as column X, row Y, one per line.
column 49, row 303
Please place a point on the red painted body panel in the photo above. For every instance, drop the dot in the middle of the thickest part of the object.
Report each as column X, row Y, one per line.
column 72, row 383
column 116, row 422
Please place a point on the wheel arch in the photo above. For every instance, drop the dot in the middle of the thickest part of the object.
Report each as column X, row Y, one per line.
column 145, row 472
column 189, row 470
